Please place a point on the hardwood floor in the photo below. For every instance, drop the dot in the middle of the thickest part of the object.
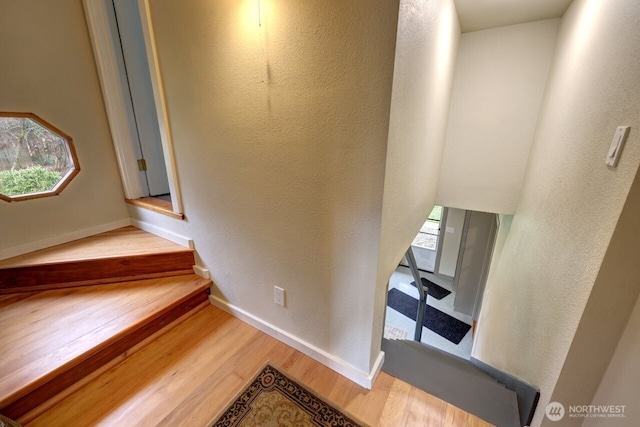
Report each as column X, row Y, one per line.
column 188, row 375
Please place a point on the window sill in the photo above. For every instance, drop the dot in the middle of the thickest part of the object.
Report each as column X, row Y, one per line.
column 156, row 205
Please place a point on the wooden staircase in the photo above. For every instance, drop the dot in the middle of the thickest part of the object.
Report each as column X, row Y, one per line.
column 76, row 309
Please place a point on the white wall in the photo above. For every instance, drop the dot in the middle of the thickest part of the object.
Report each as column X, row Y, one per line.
column 621, row 382
column 611, row 302
column 280, row 135
column 570, row 203
column 48, row 69
column 451, row 234
column 425, row 55
column 499, row 81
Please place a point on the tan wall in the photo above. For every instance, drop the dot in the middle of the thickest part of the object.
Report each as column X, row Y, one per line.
column 48, row 69
column 280, row 134
column 603, row 321
column 621, row 382
column 425, row 55
column 498, row 85
column 570, row 202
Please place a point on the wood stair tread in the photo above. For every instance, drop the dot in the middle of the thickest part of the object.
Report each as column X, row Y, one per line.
column 46, row 335
column 124, row 254
column 126, row 241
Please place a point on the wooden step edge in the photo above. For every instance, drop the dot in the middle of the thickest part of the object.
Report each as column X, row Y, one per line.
column 57, row 381
column 201, row 285
column 121, row 340
column 121, row 279
column 125, row 241
column 55, row 400
column 93, row 271
column 6, row 264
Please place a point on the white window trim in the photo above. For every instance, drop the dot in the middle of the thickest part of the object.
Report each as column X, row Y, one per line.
column 115, row 98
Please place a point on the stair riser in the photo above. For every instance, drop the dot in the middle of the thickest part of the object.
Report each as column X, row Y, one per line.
column 99, row 271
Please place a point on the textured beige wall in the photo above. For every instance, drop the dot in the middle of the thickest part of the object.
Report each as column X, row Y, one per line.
column 48, row 69
column 570, row 201
column 498, row 85
column 428, row 35
column 621, row 383
column 603, row 321
column 280, row 135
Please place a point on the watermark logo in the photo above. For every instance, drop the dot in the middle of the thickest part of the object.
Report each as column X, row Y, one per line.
column 555, row 411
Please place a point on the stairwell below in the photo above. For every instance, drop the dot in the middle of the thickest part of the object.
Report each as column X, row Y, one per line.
column 454, row 380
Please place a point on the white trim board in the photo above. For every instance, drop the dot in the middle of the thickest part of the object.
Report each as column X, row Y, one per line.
column 62, row 238
column 345, row 369
column 161, row 232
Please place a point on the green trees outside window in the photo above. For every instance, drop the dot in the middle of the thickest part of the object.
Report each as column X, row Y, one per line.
column 36, row 159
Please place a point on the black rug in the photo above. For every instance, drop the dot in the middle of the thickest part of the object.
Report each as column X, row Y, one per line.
column 441, row 323
column 436, row 291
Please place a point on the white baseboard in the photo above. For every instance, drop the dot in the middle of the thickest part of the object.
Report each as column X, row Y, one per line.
column 62, row 238
column 161, row 232
column 377, row 367
column 202, row 272
column 361, row 378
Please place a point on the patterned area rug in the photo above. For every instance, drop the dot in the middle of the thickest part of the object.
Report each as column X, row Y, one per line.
column 6, row 422
column 272, row 399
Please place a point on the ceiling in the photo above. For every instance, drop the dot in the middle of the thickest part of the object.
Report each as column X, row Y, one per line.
column 477, row 15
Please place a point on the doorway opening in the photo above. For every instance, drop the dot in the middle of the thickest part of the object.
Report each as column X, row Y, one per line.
column 425, row 244
column 148, row 145
column 451, row 253
column 124, row 47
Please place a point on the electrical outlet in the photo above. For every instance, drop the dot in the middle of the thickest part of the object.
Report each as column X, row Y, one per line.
column 278, row 296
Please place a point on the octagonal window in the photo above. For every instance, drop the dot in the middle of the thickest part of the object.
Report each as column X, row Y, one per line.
column 36, row 159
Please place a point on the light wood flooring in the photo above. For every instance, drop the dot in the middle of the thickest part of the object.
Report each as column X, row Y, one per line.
column 188, row 375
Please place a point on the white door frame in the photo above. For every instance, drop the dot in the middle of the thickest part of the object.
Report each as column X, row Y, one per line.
column 114, row 90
